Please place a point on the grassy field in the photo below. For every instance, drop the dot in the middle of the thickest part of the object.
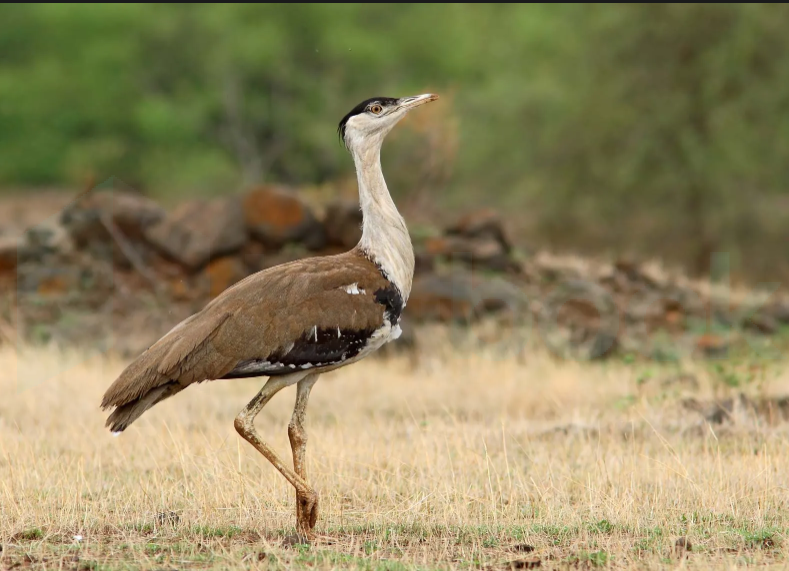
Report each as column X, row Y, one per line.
column 455, row 461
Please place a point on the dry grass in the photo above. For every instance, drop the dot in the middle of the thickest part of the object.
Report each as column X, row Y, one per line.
column 466, row 461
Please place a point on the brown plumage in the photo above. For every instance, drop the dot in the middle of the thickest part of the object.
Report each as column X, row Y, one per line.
column 295, row 321
column 256, row 318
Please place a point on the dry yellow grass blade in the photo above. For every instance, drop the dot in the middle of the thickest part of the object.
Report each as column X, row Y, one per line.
column 464, row 461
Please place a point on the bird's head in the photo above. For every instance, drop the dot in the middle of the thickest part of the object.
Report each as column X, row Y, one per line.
column 369, row 122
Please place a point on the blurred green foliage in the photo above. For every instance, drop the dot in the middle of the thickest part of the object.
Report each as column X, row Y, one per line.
column 639, row 128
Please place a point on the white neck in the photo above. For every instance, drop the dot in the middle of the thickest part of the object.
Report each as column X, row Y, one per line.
column 384, row 233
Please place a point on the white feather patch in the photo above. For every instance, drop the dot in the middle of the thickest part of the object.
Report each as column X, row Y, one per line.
column 353, row 289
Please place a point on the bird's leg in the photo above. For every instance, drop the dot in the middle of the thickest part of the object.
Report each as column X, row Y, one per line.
column 244, row 424
column 306, row 506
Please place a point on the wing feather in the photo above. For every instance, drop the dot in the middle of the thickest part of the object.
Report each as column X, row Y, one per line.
column 264, row 318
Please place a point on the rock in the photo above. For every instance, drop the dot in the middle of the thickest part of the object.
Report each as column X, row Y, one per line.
column 223, row 273
column 484, row 223
column 180, row 290
column 687, row 300
column 253, row 254
column 674, row 319
column 197, row 231
column 780, row 312
column 647, row 309
column 39, row 244
column 49, row 281
column 712, row 346
column 131, row 213
column 165, row 267
column 441, row 298
column 631, row 271
column 581, row 303
column 628, row 268
column 276, row 216
column 761, row 322
column 289, row 254
column 50, row 235
column 604, row 345
column 546, row 274
column 343, row 223
column 480, row 252
column 9, row 253
column 423, row 263
column 461, row 297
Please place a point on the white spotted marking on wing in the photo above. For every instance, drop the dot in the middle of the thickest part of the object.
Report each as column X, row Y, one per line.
column 315, row 332
column 338, row 332
column 353, row 289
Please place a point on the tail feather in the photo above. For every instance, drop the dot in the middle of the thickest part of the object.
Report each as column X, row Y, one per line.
column 136, row 380
column 184, row 356
column 124, row 415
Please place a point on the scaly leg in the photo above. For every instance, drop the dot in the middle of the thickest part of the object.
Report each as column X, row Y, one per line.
column 306, row 506
column 244, row 424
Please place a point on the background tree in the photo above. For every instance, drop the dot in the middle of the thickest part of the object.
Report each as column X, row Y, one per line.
column 654, row 129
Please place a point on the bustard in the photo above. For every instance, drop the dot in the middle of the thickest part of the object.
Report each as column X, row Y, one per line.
column 294, row 321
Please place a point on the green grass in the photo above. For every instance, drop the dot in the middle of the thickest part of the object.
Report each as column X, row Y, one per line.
column 367, row 549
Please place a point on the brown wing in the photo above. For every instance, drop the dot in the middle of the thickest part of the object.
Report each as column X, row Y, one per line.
column 272, row 322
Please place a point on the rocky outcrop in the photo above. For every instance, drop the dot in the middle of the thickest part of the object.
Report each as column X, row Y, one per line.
column 87, row 217
column 276, row 216
column 479, row 241
column 343, row 223
column 197, row 231
column 462, row 297
column 110, row 250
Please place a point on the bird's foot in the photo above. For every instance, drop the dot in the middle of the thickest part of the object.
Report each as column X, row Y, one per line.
column 306, row 516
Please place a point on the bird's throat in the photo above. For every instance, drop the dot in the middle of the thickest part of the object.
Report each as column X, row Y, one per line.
column 385, row 236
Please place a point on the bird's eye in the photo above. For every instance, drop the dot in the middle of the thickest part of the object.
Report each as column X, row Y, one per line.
column 375, row 109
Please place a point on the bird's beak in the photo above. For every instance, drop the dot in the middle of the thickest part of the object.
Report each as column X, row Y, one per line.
column 415, row 101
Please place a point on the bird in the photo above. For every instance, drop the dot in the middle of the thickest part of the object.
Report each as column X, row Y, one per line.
column 294, row 321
